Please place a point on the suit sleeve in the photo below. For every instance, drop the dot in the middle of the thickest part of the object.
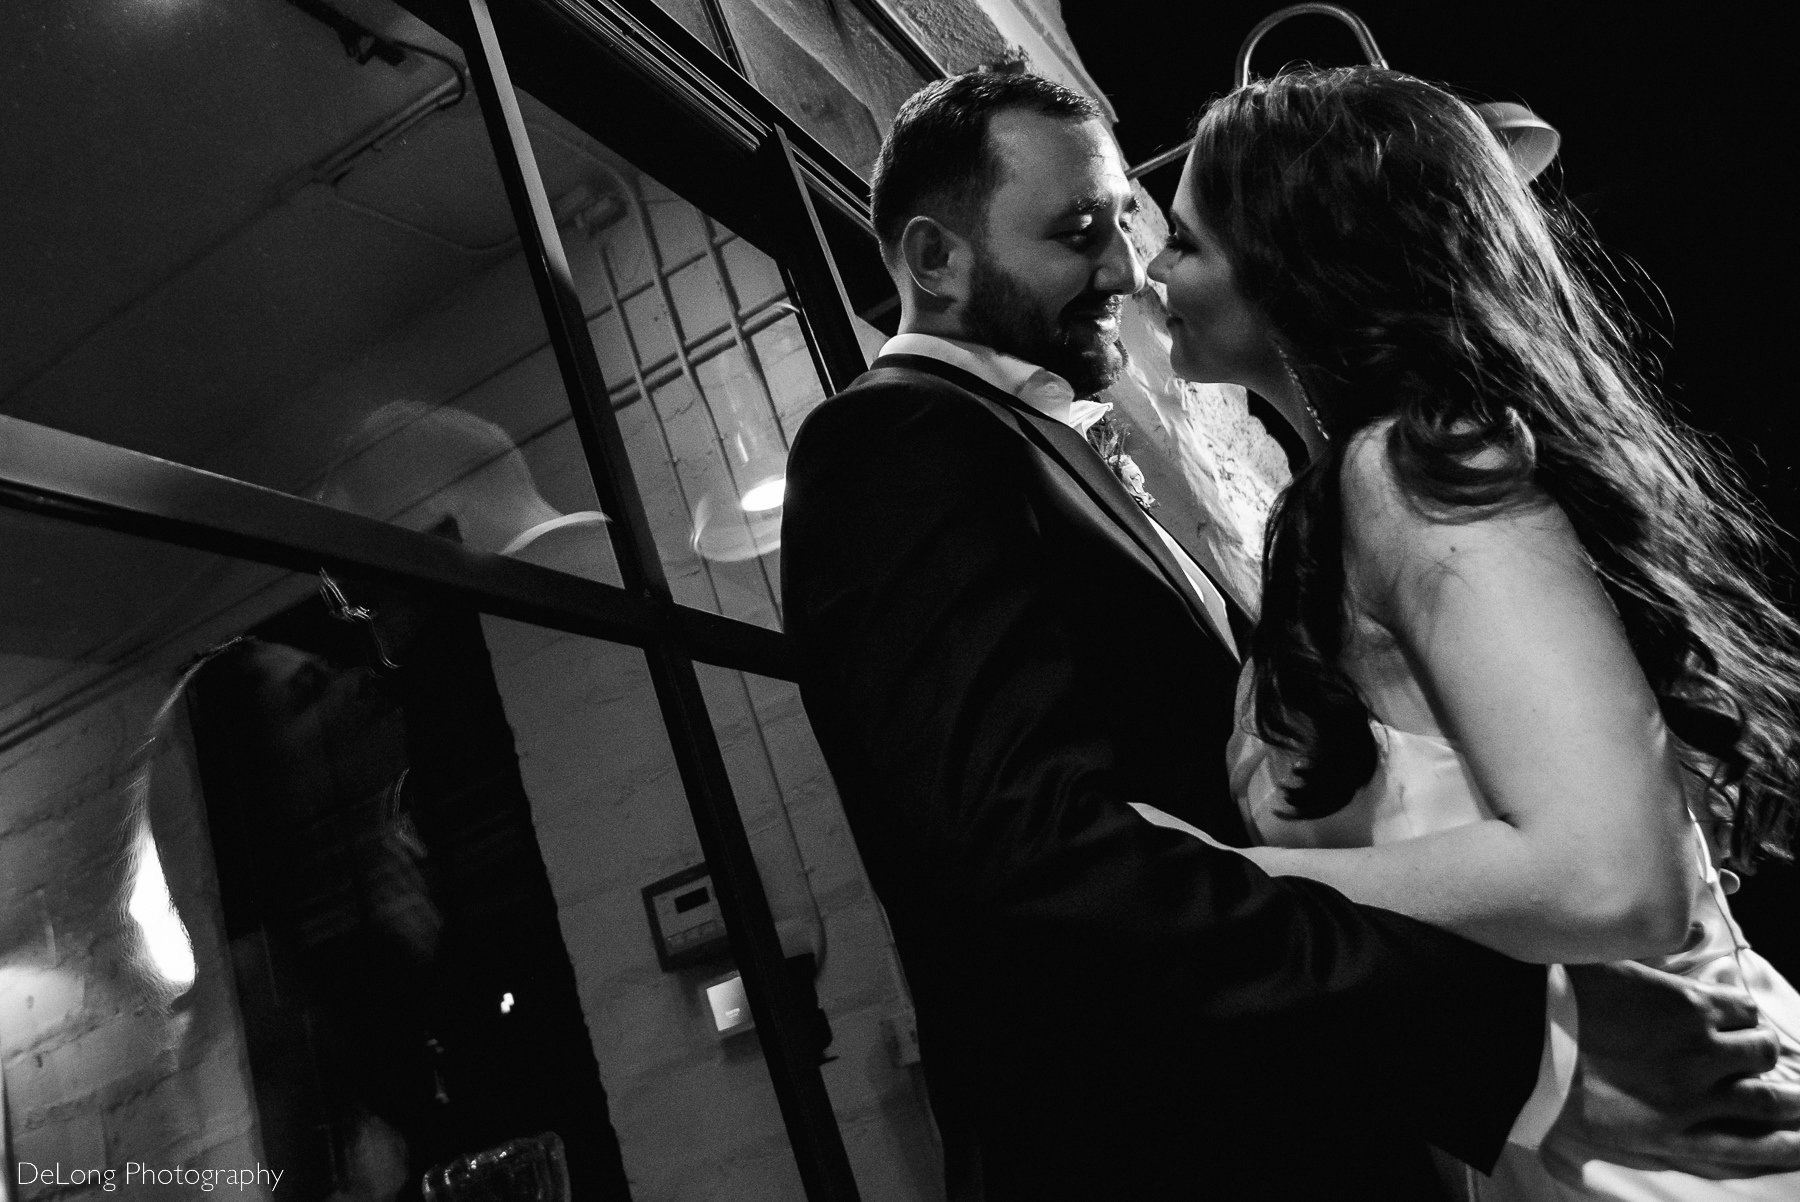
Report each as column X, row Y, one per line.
column 940, row 663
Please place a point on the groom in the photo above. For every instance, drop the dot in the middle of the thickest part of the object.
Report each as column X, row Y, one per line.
column 999, row 652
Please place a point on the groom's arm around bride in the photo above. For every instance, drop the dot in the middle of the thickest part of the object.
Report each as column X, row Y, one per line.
column 999, row 654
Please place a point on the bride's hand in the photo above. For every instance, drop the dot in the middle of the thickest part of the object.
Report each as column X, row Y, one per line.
column 1668, row 1076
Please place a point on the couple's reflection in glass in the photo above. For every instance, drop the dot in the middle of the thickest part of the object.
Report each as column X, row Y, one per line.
column 406, row 997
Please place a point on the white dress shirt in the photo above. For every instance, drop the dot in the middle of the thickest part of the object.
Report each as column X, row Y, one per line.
column 1052, row 396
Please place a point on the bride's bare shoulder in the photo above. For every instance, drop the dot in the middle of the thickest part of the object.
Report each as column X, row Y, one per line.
column 1395, row 529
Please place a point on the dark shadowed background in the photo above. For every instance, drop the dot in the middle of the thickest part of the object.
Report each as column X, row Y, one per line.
column 1676, row 124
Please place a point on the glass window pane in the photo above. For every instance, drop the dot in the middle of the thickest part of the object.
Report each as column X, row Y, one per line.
column 693, row 1106
column 266, row 898
column 277, row 247
column 705, row 363
column 356, row 922
column 827, row 67
column 833, row 929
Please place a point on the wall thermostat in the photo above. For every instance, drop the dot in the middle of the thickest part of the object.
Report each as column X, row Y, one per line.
column 685, row 919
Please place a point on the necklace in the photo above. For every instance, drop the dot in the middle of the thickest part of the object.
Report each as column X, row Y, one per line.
column 1293, row 376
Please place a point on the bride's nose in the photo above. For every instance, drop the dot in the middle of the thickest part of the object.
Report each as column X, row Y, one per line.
column 1159, row 266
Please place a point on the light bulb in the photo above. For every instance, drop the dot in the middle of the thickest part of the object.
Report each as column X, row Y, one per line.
column 765, row 496
column 165, row 939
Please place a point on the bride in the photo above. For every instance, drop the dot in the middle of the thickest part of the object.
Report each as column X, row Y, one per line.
column 1513, row 674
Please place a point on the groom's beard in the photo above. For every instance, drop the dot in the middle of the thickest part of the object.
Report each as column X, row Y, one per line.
column 1002, row 314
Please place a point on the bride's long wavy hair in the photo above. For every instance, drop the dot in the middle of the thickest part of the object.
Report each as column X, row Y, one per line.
column 1408, row 273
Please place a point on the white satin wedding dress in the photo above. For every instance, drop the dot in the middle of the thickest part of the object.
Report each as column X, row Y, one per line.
column 1423, row 784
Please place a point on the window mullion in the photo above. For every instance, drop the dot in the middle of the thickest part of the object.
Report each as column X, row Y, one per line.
column 808, row 269
column 783, row 1026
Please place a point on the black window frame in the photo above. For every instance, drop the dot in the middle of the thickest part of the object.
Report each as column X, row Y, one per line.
column 699, row 127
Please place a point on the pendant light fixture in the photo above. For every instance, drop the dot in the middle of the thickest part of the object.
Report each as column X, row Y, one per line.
column 1529, row 139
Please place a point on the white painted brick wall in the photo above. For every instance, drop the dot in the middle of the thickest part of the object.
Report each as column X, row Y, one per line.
column 99, row 1073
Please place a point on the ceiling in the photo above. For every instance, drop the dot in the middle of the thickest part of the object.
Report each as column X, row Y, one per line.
column 211, row 207
column 191, row 246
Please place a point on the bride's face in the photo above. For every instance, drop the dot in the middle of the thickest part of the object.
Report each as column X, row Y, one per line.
column 1216, row 335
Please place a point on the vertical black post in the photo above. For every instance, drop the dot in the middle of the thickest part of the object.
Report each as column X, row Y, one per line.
column 782, row 1023
column 808, row 269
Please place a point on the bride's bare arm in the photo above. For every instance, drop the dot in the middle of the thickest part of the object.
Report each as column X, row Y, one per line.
column 1525, row 663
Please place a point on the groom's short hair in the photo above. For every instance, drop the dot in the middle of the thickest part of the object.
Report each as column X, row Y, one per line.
column 937, row 159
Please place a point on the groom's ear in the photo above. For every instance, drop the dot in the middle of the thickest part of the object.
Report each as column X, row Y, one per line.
column 937, row 259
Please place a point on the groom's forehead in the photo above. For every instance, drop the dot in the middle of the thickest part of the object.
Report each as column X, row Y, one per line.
column 1026, row 142
column 1051, row 167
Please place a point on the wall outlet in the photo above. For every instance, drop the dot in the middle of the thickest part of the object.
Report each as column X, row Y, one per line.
column 902, row 1033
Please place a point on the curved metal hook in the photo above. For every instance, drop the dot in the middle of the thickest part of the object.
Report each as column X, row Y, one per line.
column 1242, row 71
column 1363, row 37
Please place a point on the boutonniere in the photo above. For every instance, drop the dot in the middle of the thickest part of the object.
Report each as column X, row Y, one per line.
column 1108, row 441
column 1132, row 477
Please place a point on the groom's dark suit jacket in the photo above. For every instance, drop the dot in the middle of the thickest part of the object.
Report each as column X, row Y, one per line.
column 998, row 653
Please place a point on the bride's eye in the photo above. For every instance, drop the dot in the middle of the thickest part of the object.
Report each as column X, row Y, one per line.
column 1176, row 242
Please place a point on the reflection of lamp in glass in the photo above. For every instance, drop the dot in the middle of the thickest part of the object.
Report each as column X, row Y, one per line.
column 1529, row 139
column 164, row 938
column 738, row 514
column 418, row 465
column 759, row 498
column 741, row 518
column 162, row 942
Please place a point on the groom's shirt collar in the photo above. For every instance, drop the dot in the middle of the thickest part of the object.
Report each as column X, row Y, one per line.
column 1052, row 396
column 1039, row 387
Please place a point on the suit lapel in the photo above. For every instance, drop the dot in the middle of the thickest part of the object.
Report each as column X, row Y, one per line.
column 1072, row 452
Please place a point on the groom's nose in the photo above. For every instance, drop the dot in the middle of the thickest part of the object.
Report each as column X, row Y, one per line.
column 1121, row 268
